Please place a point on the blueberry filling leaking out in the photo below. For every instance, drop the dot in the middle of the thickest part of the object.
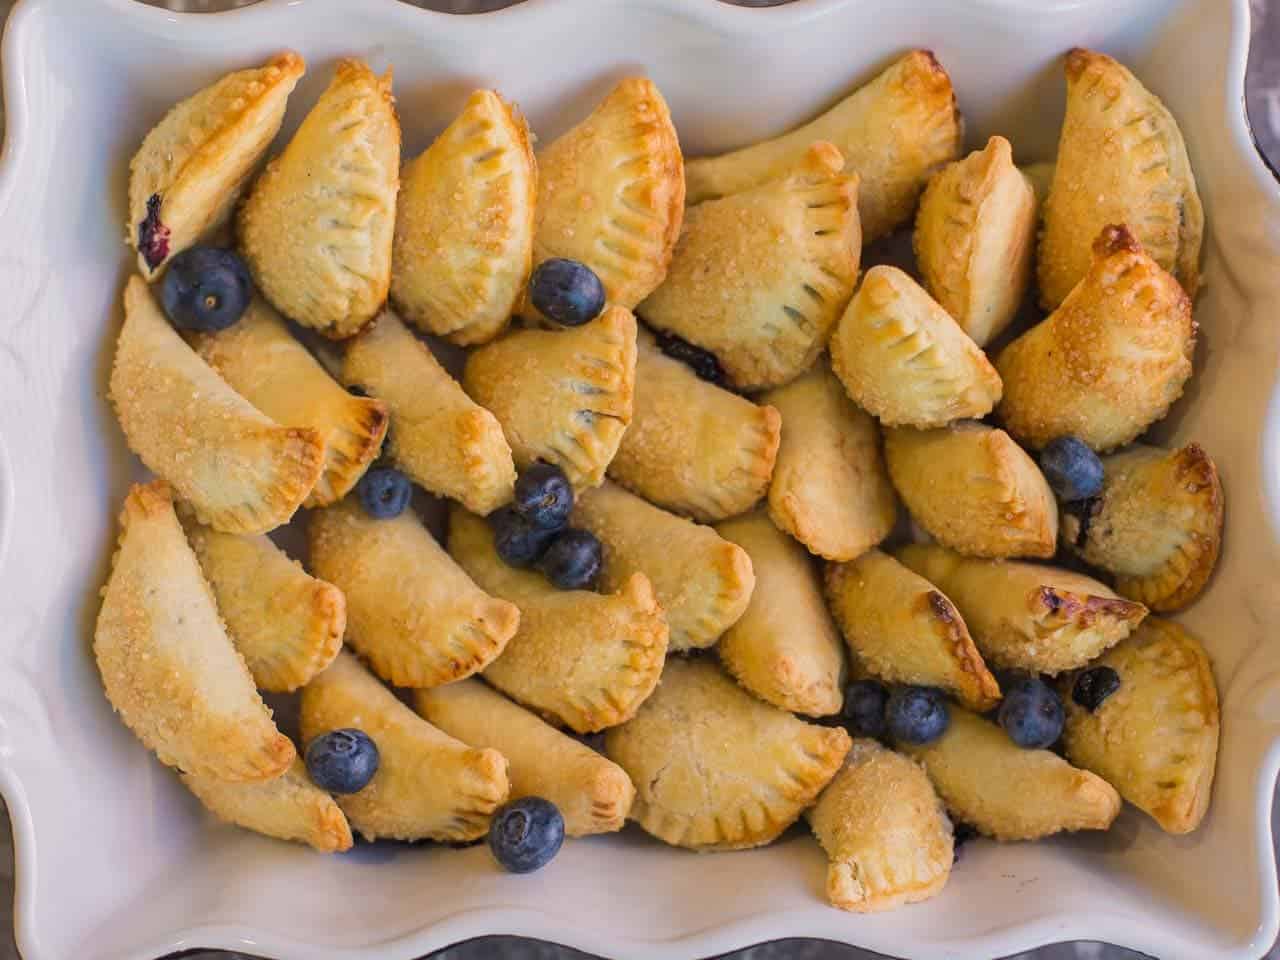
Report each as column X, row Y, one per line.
column 701, row 362
column 1094, row 686
column 1084, row 510
column 153, row 236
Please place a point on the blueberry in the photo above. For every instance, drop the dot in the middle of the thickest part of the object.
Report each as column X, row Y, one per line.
column 525, row 834
column 205, row 289
column 544, row 496
column 962, row 833
column 917, row 715
column 153, row 236
column 566, row 291
column 384, row 492
column 573, row 560
column 518, row 542
column 1031, row 713
column 1072, row 469
column 1094, row 686
column 863, row 710
column 342, row 761
column 702, row 362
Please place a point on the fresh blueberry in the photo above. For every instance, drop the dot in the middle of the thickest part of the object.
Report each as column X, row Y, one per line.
column 518, row 542
column 342, row 761
column 384, row 492
column 544, row 496
column 566, row 291
column 1072, row 469
column 573, row 560
column 701, row 362
column 864, row 705
column 205, row 289
column 1031, row 713
column 526, row 834
column 917, row 715
column 1094, row 686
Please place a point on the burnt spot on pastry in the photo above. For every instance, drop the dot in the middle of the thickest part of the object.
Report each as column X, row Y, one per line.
column 153, row 236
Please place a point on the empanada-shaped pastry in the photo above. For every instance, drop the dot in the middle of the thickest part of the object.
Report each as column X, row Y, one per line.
column 975, row 231
column 693, row 447
column 974, row 490
column 1008, row 792
column 429, row 786
column 885, row 832
column 168, row 666
column 785, row 648
column 440, row 437
column 241, row 471
column 592, row 792
column 905, row 630
column 263, row 362
column 1156, row 525
column 464, row 224
column 905, row 361
column 894, row 132
column 316, row 228
column 702, row 581
column 563, row 396
column 191, row 168
column 1155, row 739
column 581, row 659
column 760, row 278
column 717, row 769
column 415, row 615
column 1121, row 159
column 1110, row 361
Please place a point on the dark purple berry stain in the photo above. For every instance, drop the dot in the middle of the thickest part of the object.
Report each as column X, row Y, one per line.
column 153, row 236
column 703, row 362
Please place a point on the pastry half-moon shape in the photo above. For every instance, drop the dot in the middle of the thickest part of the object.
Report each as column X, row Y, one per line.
column 1010, row 793
column 428, row 786
column 464, row 224
column 287, row 807
column 692, row 447
column 591, row 791
column 316, row 228
column 885, row 832
column 168, row 666
column 894, row 132
column 903, row 629
column 412, row 612
column 445, row 441
column 563, row 396
column 1155, row 739
column 974, row 490
column 1027, row 616
column 785, row 649
column 191, row 168
column 580, row 659
column 760, row 278
column 702, row 581
column 905, row 361
column 1110, row 361
column 1121, row 159
column 263, row 362
column 240, row 470
column 975, row 231
column 717, row 769
column 1156, row 526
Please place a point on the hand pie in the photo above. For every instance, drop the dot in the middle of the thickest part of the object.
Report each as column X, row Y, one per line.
column 903, row 629
column 894, row 132
column 1027, row 616
column 411, row 611
column 1010, row 793
column 830, row 490
column 760, row 278
column 1156, row 525
column 287, row 807
column 975, row 231
column 445, row 441
column 191, row 168
column 701, row 581
column 693, row 447
column 1110, row 361
column 429, row 786
column 286, row 624
column 784, row 649
column 464, row 224
column 905, row 361
column 974, row 490
column 563, row 396
column 717, row 769
column 240, row 470
column 885, row 831
column 168, row 666
column 592, row 792
column 316, row 227
column 1155, row 739
column 581, row 659
column 1121, row 159
column 611, row 193
column 263, row 362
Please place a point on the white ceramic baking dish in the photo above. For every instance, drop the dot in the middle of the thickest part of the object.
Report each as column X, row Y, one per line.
column 114, row 860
